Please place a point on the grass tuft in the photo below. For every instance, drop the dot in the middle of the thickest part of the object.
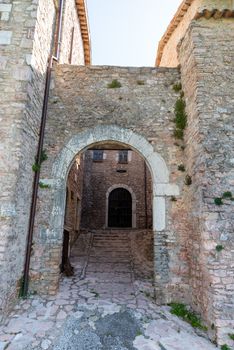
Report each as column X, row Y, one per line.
column 182, row 311
column 219, row 248
column 115, row 84
column 225, row 347
column 177, row 87
column 218, row 201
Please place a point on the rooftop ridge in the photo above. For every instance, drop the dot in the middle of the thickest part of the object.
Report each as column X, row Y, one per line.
column 84, row 27
column 179, row 15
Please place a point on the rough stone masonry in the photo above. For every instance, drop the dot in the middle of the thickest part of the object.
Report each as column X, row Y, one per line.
column 192, row 210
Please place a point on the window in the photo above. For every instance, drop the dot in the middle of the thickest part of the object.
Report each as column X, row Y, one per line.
column 97, row 156
column 123, row 157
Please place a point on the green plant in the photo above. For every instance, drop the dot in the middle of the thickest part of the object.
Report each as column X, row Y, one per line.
column 227, row 195
column 181, row 167
column 231, row 336
column 179, row 134
column 115, row 84
column 225, row 347
column 139, row 333
column 173, row 199
column 219, row 248
column 177, row 87
column 21, row 288
column 188, row 180
column 181, row 311
column 43, row 156
column 43, row 185
column 180, row 115
column 218, row 201
column 180, row 118
column 140, row 82
column 36, row 167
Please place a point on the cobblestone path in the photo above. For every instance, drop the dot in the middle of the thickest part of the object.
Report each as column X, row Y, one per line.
column 102, row 307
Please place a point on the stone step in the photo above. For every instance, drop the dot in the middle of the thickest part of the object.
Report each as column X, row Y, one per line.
column 109, row 267
column 94, row 259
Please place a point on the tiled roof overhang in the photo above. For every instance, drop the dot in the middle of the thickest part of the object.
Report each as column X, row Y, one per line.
column 84, row 26
column 206, row 13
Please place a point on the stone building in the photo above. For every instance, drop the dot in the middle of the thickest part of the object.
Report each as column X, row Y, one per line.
column 117, row 190
column 190, row 157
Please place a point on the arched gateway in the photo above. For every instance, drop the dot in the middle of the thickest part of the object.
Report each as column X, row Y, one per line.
column 104, row 134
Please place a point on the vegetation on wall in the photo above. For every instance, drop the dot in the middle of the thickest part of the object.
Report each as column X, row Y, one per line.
column 180, row 118
column 180, row 113
column 219, row 248
column 37, row 166
column 115, row 84
column 218, row 201
column 177, row 87
column 43, row 185
column 188, row 180
column 226, row 195
column 181, row 167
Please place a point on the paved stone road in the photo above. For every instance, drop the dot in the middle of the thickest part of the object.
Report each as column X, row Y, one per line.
column 102, row 307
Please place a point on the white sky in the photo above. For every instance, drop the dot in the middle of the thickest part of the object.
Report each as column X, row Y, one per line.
column 127, row 32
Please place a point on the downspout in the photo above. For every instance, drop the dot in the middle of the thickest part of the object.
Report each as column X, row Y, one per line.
column 58, row 33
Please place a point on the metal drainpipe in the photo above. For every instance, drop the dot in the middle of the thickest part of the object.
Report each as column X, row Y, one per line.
column 58, row 34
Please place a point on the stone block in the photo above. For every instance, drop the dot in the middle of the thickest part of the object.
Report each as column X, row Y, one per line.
column 5, row 7
column 5, row 37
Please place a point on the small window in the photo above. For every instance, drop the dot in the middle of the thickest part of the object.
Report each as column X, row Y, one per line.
column 123, row 157
column 97, row 156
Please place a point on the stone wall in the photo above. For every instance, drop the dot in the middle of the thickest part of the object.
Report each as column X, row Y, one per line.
column 169, row 56
column 81, row 100
column 74, row 199
column 207, row 62
column 101, row 176
column 71, row 44
column 25, row 43
column 187, row 12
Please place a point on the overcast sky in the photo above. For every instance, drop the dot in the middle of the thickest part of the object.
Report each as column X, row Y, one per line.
column 127, row 32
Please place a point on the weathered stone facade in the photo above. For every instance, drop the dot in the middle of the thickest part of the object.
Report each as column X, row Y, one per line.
column 103, row 177
column 192, row 220
column 206, row 64
column 82, row 93
column 23, row 64
column 26, row 42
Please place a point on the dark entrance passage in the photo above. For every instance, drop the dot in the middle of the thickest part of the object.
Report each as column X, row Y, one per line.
column 120, row 208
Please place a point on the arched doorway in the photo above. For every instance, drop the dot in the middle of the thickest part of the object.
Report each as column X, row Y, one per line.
column 60, row 167
column 120, row 208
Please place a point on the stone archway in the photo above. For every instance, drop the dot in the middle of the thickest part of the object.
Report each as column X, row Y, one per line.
column 160, row 181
